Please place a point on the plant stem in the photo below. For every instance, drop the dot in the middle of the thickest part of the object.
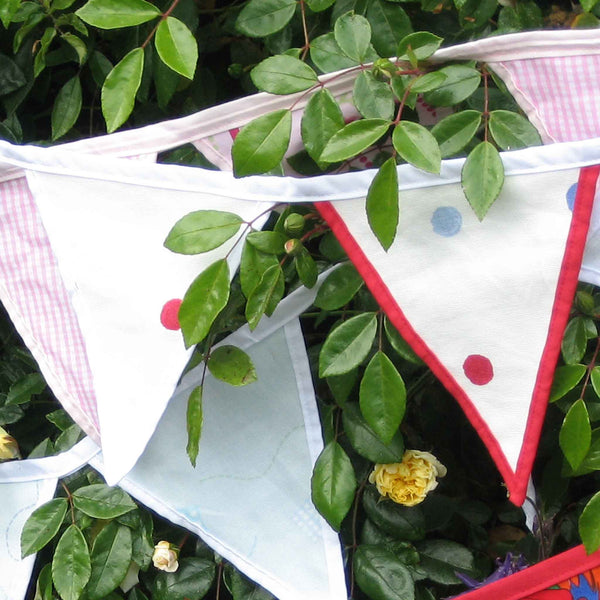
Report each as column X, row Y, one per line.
column 164, row 16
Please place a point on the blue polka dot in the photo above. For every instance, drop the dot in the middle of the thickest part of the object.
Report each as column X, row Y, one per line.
column 446, row 221
column 571, row 193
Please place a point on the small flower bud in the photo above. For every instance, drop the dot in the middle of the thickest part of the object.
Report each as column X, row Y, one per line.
column 294, row 225
column 9, row 448
column 293, row 247
column 165, row 557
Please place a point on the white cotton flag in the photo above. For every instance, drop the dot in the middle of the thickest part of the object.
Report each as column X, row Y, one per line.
column 249, row 496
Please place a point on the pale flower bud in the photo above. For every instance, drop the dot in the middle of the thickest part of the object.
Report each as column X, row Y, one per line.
column 165, row 557
column 9, row 448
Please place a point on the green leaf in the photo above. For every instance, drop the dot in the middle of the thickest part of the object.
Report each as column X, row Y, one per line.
column 512, row 131
column 191, row 581
column 269, row 242
column 231, row 365
column 383, row 203
column 202, row 230
column 260, row 18
column 428, row 82
column 265, row 296
column 455, row 131
column 342, row 385
column 353, row 139
column 402, row 522
column 11, row 76
column 283, row 74
column 306, row 268
column 588, row 524
column 242, row 588
column 482, row 178
column 382, row 397
column 441, row 559
column 595, row 379
column 43, row 588
column 327, row 55
column 574, row 342
column 120, row 88
column 194, row 418
column 261, row 144
column 373, row 99
column 40, row 58
column 333, row 484
column 252, row 267
column 339, row 287
column 347, row 345
column 389, row 24
column 417, row 146
column 353, row 35
column 319, row 5
column 587, row 5
column 322, row 118
column 461, row 82
column 177, row 47
column 42, row 525
column 111, row 14
column 22, row 390
column 474, row 14
column 67, row 107
column 8, row 9
column 77, row 44
column 366, row 442
column 421, row 43
column 382, row 575
column 110, row 560
column 565, row 379
column 71, row 564
column 576, row 434
column 102, row 502
column 399, row 344
column 203, row 301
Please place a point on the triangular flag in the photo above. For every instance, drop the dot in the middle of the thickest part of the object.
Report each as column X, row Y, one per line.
column 249, row 496
column 484, row 303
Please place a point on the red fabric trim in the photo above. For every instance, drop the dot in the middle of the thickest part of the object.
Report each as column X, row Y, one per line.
column 516, row 481
column 549, row 572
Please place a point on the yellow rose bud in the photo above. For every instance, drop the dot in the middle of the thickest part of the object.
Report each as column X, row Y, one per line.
column 165, row 557
column 9, row 448
column 410, row 481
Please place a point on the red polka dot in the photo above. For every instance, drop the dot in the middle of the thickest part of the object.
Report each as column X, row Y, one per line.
column 363, row 158
column 368, row 164
column 169, row 316
column 478, row 369
column 233, row 132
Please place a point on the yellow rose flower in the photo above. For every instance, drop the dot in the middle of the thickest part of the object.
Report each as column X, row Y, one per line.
column 165, row 557
column 410, row 481
column 9, row 448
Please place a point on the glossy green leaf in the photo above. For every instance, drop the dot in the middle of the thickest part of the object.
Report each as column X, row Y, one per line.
column 595, row 379
column 269, row 242
column 111, row 14
column 383, row 203
column 339, row 287
column 265, row 296
column 191, row 581
column 482, row 178
column 120, row 87
column 455, row 131
column 110, row 560
column 422, row 43
column 399, row 344
column 441, row 559
column 203, row 301
column 565, row 379
column 341, row 386
column 327, row 55
column 71, row 567
column 389, row 24
column 474, row 14
column 306, row 268
column 333, row 484
column 42, row 525
column 39, row 62
column 319, row 5
column 353, row 139
column 382, row 575
column 347, row 345
column 373, row 99
column 576, row 434
column 353, row 35
column 77, row 44
column 283, row 74
column 102, row 501
column 67, row 107
column 231, row 365
column 428, row 82
column 322, row 118
column 177, row 47
column 366, row 442
column 261, row 145
column 202, row 230
column 260, row 18
column 11, row 76
column 382, row 397
column 588, row 524
column 574, row 342
column 23, row 389
column 461, row 82
column 252, row 267
column 8, row 9
column 194, row 421
column 416, row 145
column 512, row 131
column 44, row 588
